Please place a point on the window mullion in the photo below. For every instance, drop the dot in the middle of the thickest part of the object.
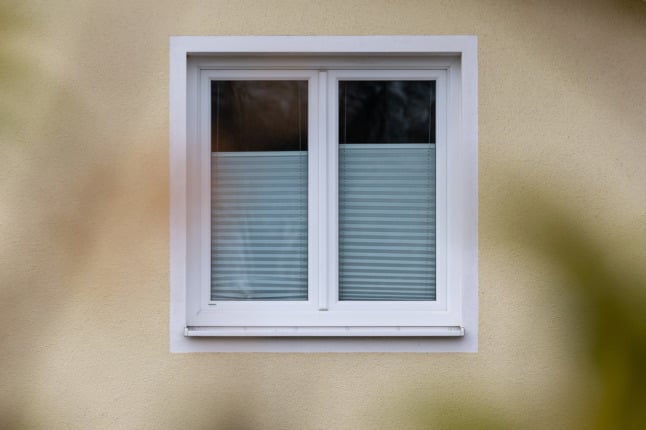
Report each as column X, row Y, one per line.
column 332, row 180
column 316, row 269
column 319, row 177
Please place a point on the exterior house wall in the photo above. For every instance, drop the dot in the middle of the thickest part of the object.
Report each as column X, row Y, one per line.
column 84, row 217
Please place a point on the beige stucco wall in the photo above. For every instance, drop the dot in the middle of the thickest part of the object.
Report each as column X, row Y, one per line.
column 84, row 217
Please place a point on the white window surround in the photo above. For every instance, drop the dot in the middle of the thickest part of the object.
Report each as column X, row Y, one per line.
column 452, row 323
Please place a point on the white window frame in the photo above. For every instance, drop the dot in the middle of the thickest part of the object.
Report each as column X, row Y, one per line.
column 323, row 323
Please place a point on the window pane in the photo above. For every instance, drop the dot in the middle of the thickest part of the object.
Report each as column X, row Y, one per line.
column 386, row 112
column 387, row 190
column 259, row 190
column 258, row 116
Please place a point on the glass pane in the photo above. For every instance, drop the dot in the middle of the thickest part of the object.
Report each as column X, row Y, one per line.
column 386, row 112
column 258, row 116
column 387, row 190
column 259, row 190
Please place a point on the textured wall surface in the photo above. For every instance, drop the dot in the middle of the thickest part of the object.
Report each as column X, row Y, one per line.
column 84, row 217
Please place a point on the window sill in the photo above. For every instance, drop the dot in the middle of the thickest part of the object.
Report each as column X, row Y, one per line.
column 329, row 331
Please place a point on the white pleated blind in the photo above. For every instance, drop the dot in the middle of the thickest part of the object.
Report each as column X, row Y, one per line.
column 259, row 225
column 387, row 222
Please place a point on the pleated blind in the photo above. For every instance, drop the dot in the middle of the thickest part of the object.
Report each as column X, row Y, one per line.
column 259, row 190
column 387, row 190
column 259, row 225
column 387, row 222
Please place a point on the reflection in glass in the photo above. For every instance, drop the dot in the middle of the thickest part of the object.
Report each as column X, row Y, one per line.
column 387, row 190
column 259, row 190
column 386, row 112
column 259, row 116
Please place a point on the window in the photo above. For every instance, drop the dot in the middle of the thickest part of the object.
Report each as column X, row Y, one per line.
column 323, row 193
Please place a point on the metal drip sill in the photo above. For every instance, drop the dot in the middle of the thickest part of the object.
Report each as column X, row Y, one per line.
column 326, row 331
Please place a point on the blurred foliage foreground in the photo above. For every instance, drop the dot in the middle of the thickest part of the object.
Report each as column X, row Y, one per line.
column 609, row 288
column 603, row 273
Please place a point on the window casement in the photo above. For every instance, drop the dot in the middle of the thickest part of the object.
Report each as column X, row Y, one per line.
column 323, row 190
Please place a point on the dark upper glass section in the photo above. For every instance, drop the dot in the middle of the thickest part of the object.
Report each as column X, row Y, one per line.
column 387, row 112
column 258, row 116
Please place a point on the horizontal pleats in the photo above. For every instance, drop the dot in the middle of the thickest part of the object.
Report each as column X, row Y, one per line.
column 259, row 226
column 387, row 222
